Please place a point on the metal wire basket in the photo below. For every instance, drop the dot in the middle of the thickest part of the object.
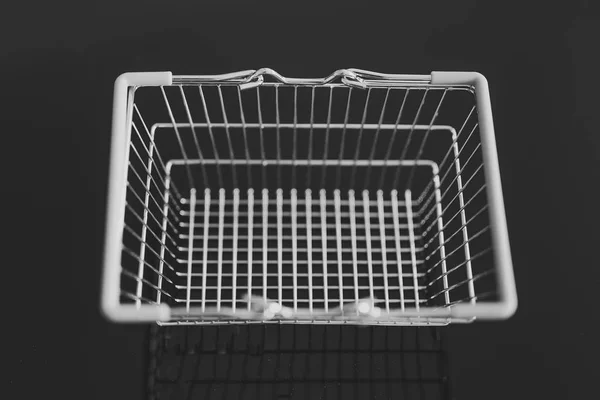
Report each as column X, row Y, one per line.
column 360, row 198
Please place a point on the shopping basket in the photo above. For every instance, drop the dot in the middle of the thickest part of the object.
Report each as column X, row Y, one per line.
column 359, row 198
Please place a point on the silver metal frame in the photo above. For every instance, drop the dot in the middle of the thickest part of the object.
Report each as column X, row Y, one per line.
column 266, row 308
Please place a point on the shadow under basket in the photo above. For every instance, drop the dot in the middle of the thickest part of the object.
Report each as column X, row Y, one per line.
column 359, row 198
column 287, row 362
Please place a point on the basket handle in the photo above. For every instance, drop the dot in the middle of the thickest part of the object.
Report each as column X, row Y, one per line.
column 347, row 76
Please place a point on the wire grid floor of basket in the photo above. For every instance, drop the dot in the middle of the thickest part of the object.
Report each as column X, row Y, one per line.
column 312, row 255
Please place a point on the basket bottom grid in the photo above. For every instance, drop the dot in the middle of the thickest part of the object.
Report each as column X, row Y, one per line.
column 309, row 252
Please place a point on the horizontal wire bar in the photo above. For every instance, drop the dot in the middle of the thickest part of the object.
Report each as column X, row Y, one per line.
column 479, row 233
column 299, row 249
column 479, row 296
column 303, row 162
column 258, row 225
column 131, row 231
column 307, row 126
column 432, row 223
column 291, row 287
column 150, row 211
column 149, row 174
column 150, row 230
column 136, row 297
column 460, row 229
column 329, row 262
column 163, row 182
column 176, row 192
column 155, row 148
column 425, row 204
column 315, row 201
column 152, row 196
column 143, row 280
column 290, row 299
column 463, row 282
column 456, row 267
column 299, row 237
column 307, row 275
column 442, row 164
column 457, row 194
column 372, row 214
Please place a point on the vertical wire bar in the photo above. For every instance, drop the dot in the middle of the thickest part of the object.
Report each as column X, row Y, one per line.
column 351, row 205
column 262, row 139
column 359, row 140
column 310, row 137
column 228, row 135
column 195, row 136
column 413, row 251
column 295, row 134
column 205, row 245
column 396, row 218
column 425, row 137
column 280, row 245
column 294, row 206
column 308, row 203
column 250, row 240
column 278, row 134
column 212, row 136
column 367, row 215
column 220, row 246
column 181, row 148
column 382, row 237
column 245, row 135
column 326, row 147
column 338, row 176
column 409, row 139
column 143, row 244
column 324, row 246
column 163, row 235
column 376, row 139
column 338, row 235
column 441, row 238
column 265, row 230
column 392, row 139
column 463, row 218
column 236, row 215
column 190, row 248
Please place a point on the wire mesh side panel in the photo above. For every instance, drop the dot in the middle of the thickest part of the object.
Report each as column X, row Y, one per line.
column 297, row 362
column 315, row 197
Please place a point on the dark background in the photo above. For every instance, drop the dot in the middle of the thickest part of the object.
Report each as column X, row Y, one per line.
column 59, row 62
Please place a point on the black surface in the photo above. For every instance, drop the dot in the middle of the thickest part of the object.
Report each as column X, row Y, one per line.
column 298, row 362
column 59, row 62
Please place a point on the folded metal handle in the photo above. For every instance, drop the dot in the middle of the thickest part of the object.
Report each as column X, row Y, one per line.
column 347, row 76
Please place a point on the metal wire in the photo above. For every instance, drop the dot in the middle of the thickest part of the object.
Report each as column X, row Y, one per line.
column 336, row 230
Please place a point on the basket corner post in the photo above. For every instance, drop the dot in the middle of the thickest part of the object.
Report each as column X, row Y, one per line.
column 123, row 313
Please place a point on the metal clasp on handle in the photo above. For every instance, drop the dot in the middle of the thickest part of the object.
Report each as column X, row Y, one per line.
column 347, row 77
